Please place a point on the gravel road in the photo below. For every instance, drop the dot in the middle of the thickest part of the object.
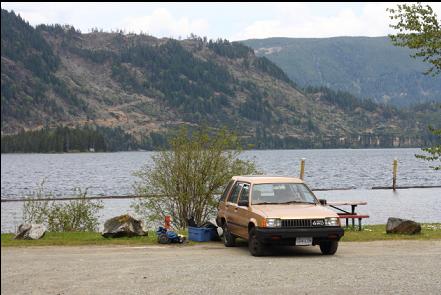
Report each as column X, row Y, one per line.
column 381, row 267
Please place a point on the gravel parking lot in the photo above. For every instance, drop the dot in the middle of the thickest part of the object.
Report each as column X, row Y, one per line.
column 382, row 267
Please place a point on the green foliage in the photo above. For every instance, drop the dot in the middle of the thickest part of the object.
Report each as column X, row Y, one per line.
column 377, row 232
column 116, row 139
column 28, row 73
column 67, row 31
column 367, row 67
column 418, row 28
column 38, row 56
column 433, row 152
column 186, row 82
column 184, row 180
column 256, row 109
column 345, row 100
column 59, row 139
column 230, row 49
column 127, row 79
column 62, row 216
column 267, row 66
column 95, row 55
column 194, row 82
column 79, row 139
column 78, row 239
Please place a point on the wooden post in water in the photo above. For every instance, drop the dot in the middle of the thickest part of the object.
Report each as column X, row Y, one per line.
column 302, row 168
column 394, row 177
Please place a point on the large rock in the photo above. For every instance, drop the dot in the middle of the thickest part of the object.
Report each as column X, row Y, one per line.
column 402, row 226
column 27, row 231
column 123, row 226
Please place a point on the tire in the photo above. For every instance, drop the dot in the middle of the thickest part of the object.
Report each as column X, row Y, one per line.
column 329, row 247
column 256, row 247
column 227, row 237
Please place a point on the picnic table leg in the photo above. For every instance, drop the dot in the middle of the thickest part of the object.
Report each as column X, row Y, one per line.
column 347, row 223
column 359, row 224
column 353, row 212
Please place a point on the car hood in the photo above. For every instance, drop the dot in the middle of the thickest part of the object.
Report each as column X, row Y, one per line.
column 294, row 211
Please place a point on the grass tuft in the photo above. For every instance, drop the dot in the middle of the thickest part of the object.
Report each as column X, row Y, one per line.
column 429, row 231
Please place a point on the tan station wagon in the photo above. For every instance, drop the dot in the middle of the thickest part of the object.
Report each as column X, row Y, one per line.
column 269, row 210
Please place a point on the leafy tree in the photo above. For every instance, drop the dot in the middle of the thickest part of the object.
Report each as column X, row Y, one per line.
column 434, row 152
column 418, row 28
column 184, row 180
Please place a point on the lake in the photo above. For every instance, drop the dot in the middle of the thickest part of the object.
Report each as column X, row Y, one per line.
column 112, row 174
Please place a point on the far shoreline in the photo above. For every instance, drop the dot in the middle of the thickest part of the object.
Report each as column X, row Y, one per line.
column 244, row 150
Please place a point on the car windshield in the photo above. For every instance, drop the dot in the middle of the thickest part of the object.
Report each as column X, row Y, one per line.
column 281, row 193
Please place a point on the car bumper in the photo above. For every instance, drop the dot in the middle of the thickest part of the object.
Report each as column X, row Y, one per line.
column 289, row 235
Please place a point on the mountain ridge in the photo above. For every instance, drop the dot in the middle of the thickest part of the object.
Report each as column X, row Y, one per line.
column 364, row 66
column 54, row 75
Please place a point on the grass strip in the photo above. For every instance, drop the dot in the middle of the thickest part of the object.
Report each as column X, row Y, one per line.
column 430, row 231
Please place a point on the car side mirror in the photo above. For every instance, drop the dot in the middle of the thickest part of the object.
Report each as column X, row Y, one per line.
column 323, row 202
column 244, row 203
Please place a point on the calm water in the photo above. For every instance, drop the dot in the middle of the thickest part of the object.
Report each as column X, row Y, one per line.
column 111, row 174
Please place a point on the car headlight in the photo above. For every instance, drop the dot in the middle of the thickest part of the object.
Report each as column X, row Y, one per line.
column 273, row 222
column 332, row 221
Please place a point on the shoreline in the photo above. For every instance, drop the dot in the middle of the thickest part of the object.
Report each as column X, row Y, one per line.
column 244, row 150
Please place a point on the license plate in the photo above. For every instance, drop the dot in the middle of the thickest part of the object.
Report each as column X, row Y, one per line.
column 303, row 241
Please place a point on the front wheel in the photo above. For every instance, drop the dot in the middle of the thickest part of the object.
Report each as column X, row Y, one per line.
column 329, row 247
column 229, row 239
column 256, row 247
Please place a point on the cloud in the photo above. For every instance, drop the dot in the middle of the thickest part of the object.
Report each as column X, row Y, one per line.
column 301, row 20
column 162, row 23
column 43, row 13
column 153, row 19
column 235, row 21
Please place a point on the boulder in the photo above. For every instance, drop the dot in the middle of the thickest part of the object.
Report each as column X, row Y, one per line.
column 123, row 226
column 402, row 226
column 27, row 231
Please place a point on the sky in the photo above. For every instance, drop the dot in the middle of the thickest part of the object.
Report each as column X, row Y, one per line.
column 232, row 21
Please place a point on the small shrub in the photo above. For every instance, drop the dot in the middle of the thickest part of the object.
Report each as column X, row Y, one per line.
column 59, row 216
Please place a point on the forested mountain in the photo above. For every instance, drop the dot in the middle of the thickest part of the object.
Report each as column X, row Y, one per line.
column 364, row 66
column 133, row 90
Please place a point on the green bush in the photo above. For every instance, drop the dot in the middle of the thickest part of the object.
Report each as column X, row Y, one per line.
column 184, row 180
column 80, row 214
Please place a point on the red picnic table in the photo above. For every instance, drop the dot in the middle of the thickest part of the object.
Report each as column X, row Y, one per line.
column 346, row 214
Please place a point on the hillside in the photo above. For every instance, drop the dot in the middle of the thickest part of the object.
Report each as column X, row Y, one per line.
column 146, row 87
column 364, row 66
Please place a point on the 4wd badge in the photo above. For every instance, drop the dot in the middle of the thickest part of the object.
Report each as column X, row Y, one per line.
column 318, row 223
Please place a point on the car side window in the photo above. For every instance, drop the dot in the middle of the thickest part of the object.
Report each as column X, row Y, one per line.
column 226, row 191
column 245, row 193
column 235, row 193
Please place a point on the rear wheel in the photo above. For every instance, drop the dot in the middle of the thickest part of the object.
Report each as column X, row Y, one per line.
column 256, row 247
column 229, row 239
column 329, row 247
